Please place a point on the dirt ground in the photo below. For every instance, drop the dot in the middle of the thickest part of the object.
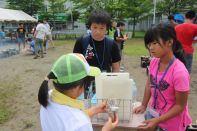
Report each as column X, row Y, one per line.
column 24, row 76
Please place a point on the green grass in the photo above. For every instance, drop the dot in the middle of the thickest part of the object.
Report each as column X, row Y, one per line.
column 5, row 114
column 63, row 42
column 7, row 94
column 66, row 36
column 139, row 34
column 133, row 47
column 195, row 52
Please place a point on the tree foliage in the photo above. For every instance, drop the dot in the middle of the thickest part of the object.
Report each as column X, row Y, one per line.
column 56, row 6
column 31, row 7
column 120, row 10
column 134, row 10
column 167, row 7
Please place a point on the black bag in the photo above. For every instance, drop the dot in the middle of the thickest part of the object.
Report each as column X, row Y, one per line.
column 192, row 128
column 145, row 61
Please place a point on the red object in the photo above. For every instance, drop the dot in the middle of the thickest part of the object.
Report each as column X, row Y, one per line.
column 185, row 34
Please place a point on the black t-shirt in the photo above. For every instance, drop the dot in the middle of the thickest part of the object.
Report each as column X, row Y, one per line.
column 119, row 34
column 97, row 53
column 21, row 32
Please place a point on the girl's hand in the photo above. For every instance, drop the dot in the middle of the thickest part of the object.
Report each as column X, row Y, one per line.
column 125, row 37
column 149, row 125
column 99, row 108
column 110, row 125
column 139, row 109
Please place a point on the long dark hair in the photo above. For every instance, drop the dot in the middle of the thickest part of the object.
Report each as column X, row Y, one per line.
column 43, row 91
column 165, row 32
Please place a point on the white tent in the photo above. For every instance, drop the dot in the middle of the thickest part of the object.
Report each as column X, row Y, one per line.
column 15, row 15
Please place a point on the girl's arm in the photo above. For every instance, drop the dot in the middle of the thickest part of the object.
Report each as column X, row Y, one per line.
column 146, row 98
column 181, row 101
column 35, row 33
column 116, row 67
column 96, row 109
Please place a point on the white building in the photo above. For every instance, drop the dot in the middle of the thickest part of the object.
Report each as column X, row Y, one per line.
column 3, row 3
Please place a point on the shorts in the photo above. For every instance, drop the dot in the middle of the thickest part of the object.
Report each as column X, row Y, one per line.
column 189, row 60
column 120, row 48
column 21, row 40
column 49, row 37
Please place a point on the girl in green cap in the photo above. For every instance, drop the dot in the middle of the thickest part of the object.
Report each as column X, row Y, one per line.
column 60, row 109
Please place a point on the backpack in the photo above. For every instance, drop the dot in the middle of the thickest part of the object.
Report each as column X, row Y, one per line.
column 108, row 42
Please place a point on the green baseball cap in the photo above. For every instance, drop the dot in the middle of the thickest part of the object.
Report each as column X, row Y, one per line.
column 72, row 67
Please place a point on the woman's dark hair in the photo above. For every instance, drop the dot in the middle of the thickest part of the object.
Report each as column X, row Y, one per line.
column 111, row 22
column 120, row 24
column 43, row 91
column 165, row 32
column 99, row 17
column 170, row 17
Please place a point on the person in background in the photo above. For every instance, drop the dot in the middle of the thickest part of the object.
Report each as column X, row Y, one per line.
column 88, row 31
column 99, row 50
column 20, row 35
column 31, row 44
column 168, row 84
column 186, row 33
column 60, row 109
column 112, row 29
column 171, row 21
column 48, row 35
column 33, row 30
column 3, row 28
column 40, row 36
column 119, row 37
column 2, row 36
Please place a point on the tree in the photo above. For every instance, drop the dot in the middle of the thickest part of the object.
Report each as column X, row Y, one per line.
column 134, row 10
column 84, row 7
column 167, row 7
column 56, row 6
column 114, row 7
column 31, row 7
column 121, row 10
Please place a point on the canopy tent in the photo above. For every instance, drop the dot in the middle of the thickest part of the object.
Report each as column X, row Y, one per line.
column 15, row 15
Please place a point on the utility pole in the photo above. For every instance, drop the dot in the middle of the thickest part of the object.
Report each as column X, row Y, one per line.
column 154, row 11
column 69, row 5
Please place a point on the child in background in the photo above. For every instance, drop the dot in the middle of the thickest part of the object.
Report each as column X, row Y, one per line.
column 119, row 36
column 186, row 33
column 60, row 109
column 167, row 87
column 31, row 44
column 112, row 29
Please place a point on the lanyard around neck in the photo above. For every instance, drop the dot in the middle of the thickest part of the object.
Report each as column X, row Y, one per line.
column 155, row 82
column 96, row 54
